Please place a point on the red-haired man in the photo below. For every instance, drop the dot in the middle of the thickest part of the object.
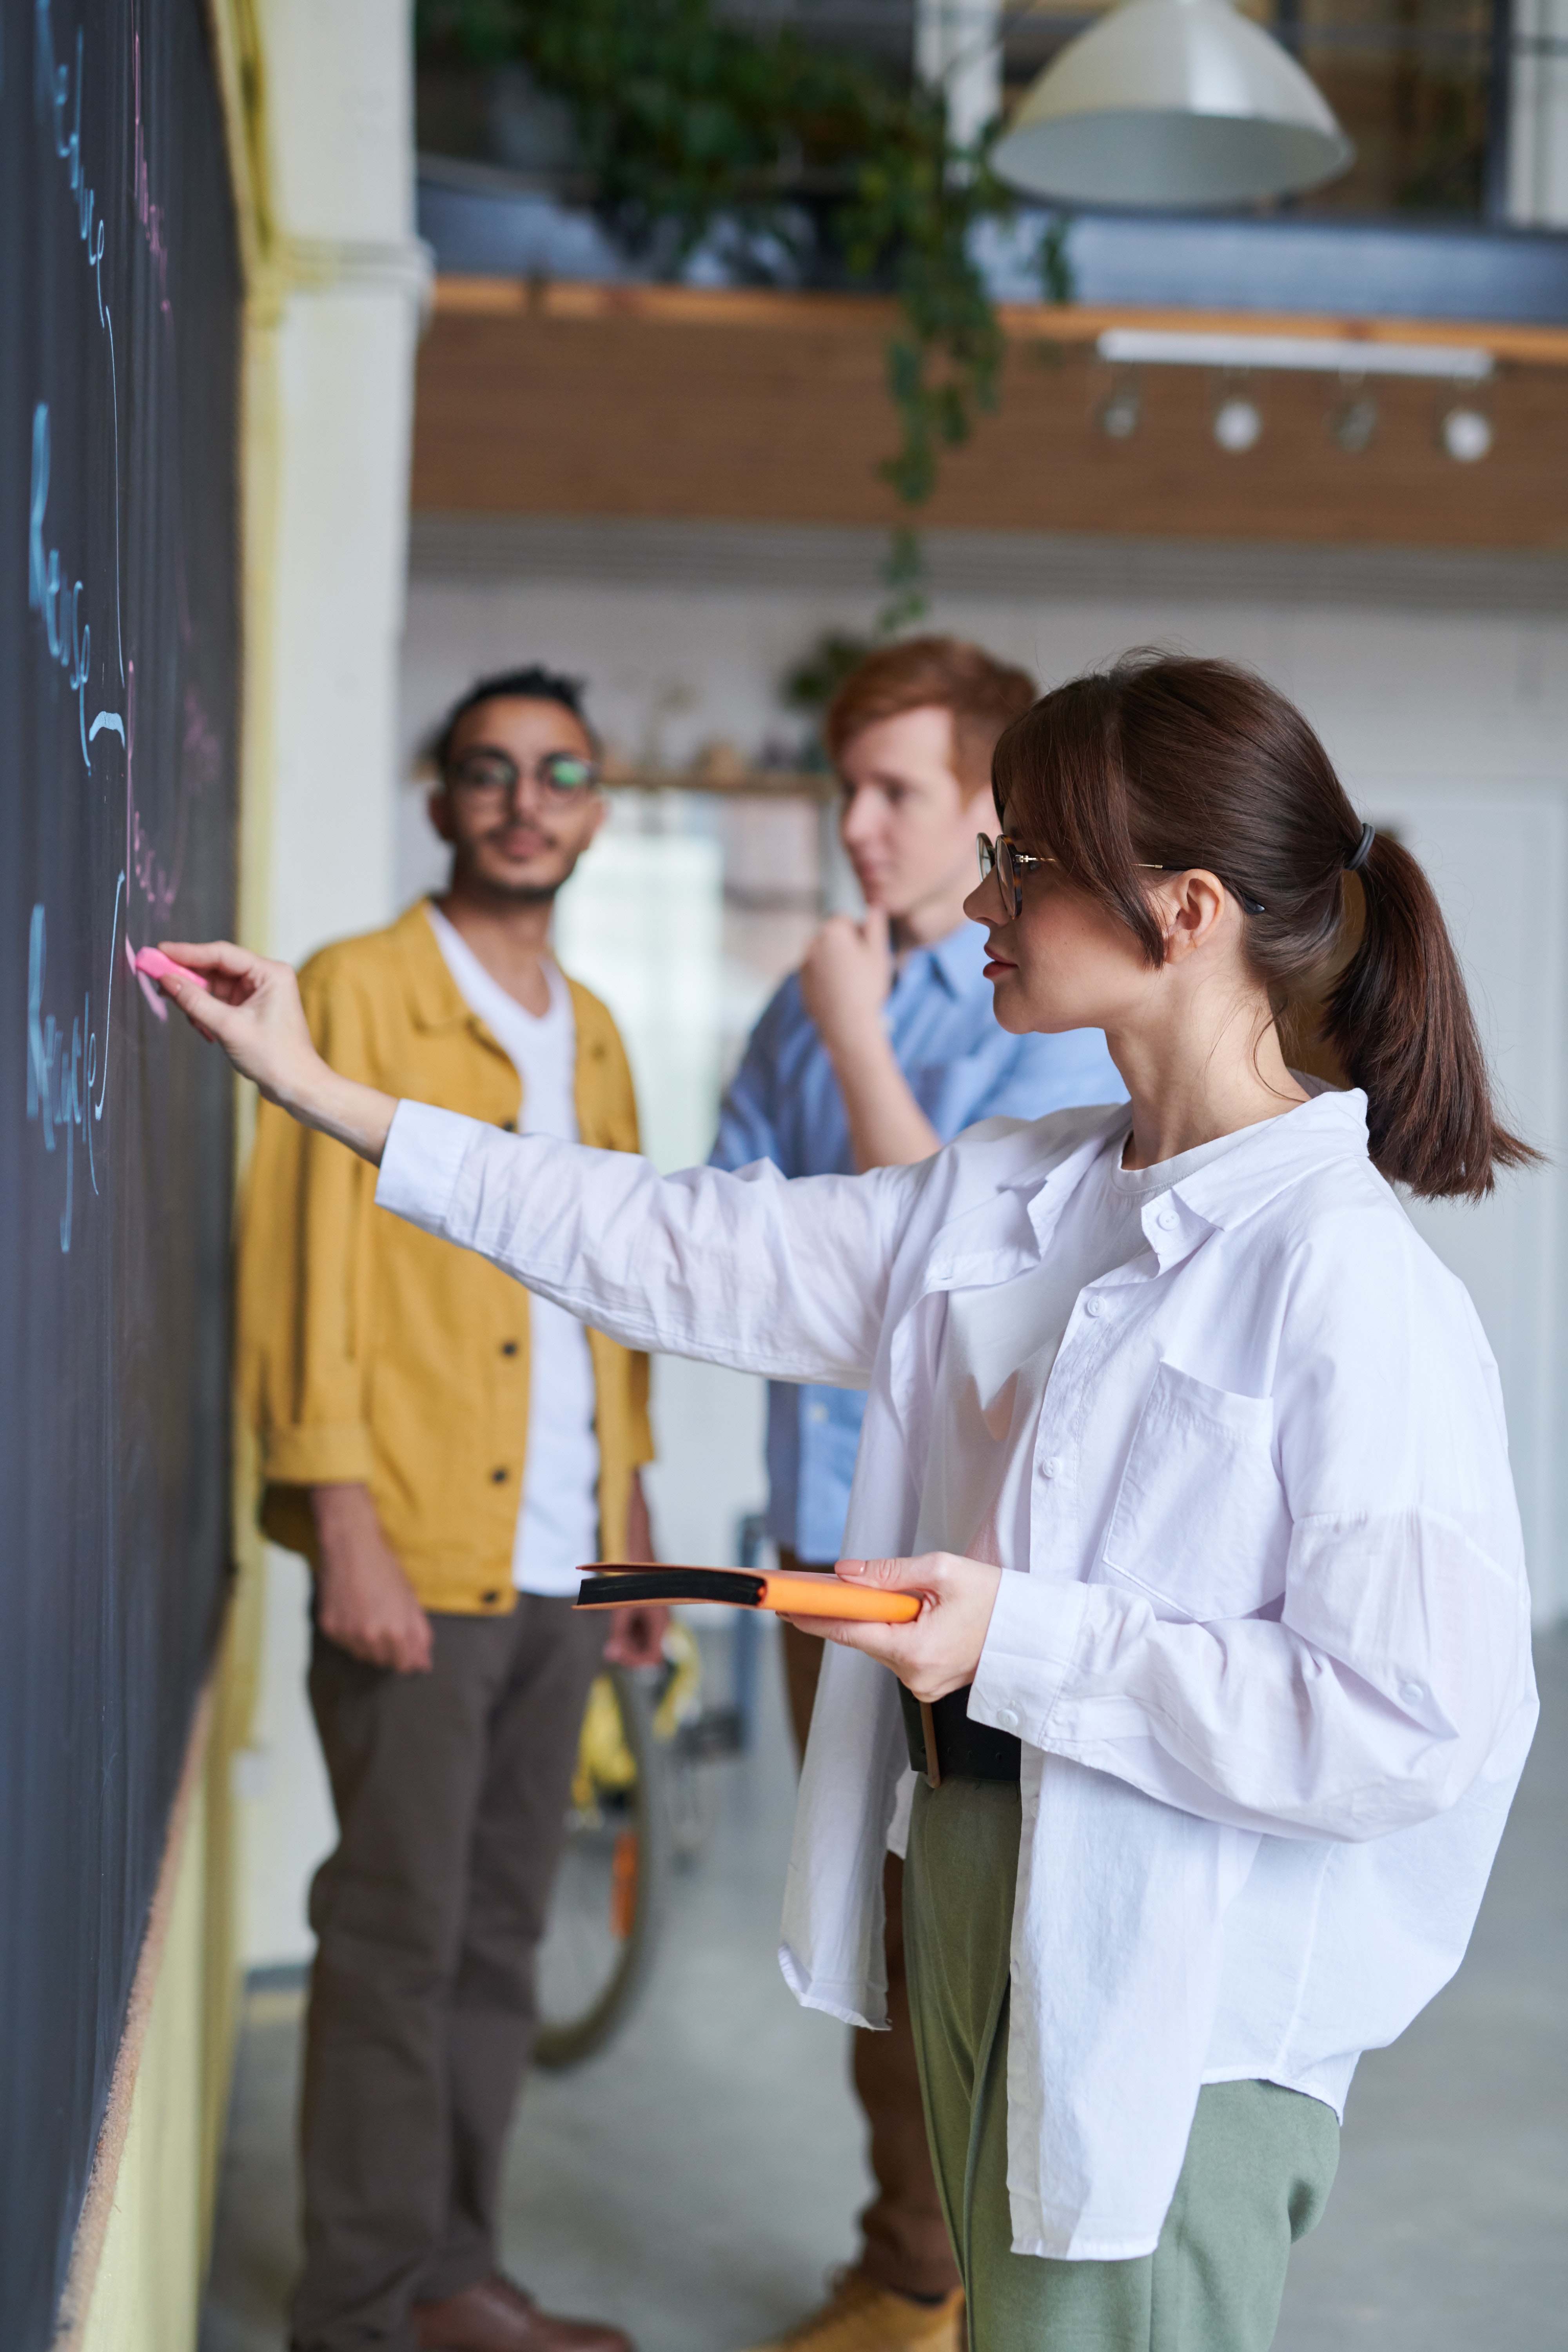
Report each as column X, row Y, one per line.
column 880, row 1049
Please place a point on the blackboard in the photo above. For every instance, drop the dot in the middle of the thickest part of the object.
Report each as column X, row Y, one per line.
column 119, row 659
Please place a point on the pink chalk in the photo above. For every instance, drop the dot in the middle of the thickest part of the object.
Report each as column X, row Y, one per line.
column 158, row 966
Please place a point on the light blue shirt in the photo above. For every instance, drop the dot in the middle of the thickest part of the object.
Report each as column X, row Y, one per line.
column 785, row 1106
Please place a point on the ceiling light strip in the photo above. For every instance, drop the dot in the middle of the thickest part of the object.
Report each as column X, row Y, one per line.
column 1156, row 347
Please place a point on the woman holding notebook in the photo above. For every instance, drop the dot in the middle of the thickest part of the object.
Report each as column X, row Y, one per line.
column 1220, row 1686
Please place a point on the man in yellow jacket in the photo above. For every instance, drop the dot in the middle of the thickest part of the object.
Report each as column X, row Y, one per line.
column 445, row 1451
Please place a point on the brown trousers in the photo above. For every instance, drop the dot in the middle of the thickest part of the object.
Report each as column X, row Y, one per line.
column 905, row 2244
column 450, row 1791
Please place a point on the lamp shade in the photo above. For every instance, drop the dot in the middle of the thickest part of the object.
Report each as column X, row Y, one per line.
column 1171, row 102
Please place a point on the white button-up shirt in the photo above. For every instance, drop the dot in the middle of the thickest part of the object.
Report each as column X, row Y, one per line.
column 1268, row 1653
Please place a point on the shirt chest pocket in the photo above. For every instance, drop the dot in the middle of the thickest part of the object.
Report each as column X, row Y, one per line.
column 1200, row 1527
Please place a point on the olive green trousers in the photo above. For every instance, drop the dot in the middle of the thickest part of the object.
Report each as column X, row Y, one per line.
column 1259, row 2164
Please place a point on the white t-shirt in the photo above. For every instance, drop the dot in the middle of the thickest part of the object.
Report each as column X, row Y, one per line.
column 558, row 1522
column 1000, row 1345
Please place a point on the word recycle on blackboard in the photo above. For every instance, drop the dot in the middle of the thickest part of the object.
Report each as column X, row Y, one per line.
column 120, row 317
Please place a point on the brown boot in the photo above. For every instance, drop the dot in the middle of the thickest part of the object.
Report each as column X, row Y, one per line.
column 498, row 2316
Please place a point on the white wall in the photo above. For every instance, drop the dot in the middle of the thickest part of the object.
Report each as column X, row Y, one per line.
column 957, row 44
column 333, row 320
column 331, row 382
column 1538, row 115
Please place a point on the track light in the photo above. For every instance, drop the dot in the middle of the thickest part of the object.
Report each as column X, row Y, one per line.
column 1237, row 423
column 1468, row 434
column 1465, row 429
column 1323, row 355
column 1353, row 426
column 1120, row 412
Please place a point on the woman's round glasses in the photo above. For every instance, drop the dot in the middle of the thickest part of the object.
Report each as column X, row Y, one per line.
column 489, row 776
column 1004, row 858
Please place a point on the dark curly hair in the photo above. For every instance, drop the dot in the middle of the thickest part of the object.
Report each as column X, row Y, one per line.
column 534, row 684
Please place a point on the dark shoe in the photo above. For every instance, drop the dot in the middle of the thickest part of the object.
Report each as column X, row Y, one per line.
column 498, row 2316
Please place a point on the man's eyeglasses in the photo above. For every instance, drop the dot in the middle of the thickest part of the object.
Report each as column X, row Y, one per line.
column 1004, row 858
column 488, row 777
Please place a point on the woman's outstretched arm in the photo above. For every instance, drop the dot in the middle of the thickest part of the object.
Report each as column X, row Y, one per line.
column 787, row 1280
column 250, row 1006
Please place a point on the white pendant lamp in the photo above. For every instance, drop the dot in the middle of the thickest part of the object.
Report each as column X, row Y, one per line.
column 1172, row 103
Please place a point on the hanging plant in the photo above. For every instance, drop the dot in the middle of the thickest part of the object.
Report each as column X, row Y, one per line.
column 694, row 131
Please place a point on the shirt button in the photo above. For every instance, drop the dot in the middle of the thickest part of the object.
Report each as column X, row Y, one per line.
column 497, row 1477
column 1167, row 1221
column 1412, row 1694
column 1050, row 1465
column 1093, row 1307
column 509, row 1347
column 817, row 1413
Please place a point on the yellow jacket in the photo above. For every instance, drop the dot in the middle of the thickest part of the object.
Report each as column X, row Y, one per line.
column 372, row 1353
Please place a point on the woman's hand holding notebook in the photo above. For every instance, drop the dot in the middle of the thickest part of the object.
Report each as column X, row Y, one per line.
column 610, row 1585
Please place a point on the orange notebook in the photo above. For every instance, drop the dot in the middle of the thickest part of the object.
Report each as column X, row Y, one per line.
column 608, row 1585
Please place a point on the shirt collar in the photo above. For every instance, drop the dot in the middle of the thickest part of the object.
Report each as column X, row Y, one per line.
column 1331, row 1126
column 957, row 960
column 435, row 999
column 1277, row 1154
column 977, row 1248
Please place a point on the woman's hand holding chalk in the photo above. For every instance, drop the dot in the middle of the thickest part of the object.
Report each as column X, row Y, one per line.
column 250, row 1006
column 158, row 966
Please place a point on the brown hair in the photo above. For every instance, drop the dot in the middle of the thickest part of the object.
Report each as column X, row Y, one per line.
column 942, row 673
column 1180, row 763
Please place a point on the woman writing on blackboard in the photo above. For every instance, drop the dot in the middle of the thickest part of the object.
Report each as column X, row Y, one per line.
column 1221, row 1686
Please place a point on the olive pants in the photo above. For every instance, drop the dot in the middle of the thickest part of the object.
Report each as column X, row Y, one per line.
column 1259, row 2164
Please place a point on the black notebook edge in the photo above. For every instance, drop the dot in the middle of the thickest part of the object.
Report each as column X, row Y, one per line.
column 655, row 1585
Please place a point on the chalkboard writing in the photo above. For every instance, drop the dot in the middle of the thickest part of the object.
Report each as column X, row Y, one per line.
column 119, row 651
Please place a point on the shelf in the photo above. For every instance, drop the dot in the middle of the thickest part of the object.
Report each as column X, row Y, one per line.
column 756, row 783
column 759, row 308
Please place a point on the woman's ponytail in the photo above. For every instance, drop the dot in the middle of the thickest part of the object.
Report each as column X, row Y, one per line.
column 1399, row 1018
column 1167, row 762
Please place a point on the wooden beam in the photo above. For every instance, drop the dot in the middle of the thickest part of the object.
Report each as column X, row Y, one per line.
column 704, row 306
column 761, row 407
